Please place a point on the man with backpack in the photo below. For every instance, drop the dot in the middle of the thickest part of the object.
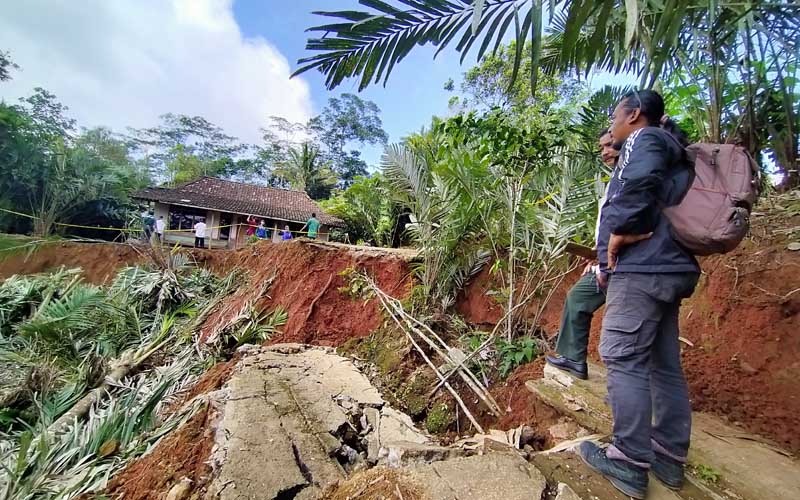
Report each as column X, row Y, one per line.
column 647, row 273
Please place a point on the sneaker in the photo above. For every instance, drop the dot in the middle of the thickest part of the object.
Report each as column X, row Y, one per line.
column 668, row 470
column 625, row 476
column 575, row 368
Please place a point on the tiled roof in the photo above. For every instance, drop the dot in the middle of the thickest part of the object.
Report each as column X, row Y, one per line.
column 240, row 198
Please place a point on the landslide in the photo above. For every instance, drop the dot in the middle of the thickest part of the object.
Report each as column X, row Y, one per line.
column 99, row 261
column 307, row 282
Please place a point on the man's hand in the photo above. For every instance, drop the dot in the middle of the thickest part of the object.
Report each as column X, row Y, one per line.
column 618, row 241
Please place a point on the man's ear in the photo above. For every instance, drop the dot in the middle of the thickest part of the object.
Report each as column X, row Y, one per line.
column 634, row 116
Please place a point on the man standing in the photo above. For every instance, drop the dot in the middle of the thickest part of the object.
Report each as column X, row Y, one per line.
column 148, row 223
column 200, row 234
column 584, row 298
column 160, row 228
column 648, row 274
column 312, row 225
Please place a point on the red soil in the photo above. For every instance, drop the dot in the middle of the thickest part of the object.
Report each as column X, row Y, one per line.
column 744, row 322
column 182, row 454
column 307, row 283
column 99, row 261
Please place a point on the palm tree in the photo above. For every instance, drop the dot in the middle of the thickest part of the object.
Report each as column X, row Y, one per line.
column 634, row 35
column 304, row 170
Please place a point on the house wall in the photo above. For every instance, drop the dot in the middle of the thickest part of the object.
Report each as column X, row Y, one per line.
column 212, row 221
column 160, row 210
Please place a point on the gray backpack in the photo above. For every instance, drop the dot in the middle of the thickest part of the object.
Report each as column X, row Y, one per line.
column 714, row 214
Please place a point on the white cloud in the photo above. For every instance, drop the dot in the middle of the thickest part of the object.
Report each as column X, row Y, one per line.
column 123, row 63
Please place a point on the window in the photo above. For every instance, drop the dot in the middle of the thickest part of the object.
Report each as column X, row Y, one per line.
column 184, row 218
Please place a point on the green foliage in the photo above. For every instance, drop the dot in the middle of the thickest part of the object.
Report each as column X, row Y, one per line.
column 254, row 327
column 345, row 120
column 6, row 64
column 185, row 147
column 367, row 210
column 439, row 418
column 304, row 169
column 58, row 177
column 707, row 473
column 496, row 186
column 489, row 84
column 515, row 353
column 66, row 336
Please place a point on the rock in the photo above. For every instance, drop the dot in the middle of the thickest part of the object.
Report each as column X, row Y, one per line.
column 793, row 246
column 180, row 491
column 563, row 431
column 495, row 476
column 566, row 493
column 397, row 426
column 553, row 373
column 403, row 453
column 747, row 367
column 527, row 436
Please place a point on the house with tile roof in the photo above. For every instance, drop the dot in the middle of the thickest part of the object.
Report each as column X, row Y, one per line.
column 225, row 206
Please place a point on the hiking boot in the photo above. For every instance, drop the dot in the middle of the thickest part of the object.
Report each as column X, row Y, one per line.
column 574, row 368
column 625, row 476
column 668, row 470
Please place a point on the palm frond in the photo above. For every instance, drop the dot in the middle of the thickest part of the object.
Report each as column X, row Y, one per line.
column 369, row 43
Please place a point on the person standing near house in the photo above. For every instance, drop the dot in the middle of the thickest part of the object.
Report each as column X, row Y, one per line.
column 287, row 234
column 251, row 225
column 148, row 224
column 160, row 228
column 200, row 234
column 312, row 225
column 262, row 232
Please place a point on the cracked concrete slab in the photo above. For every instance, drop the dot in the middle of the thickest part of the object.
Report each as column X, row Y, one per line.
column 493, row 476
column 287, row 416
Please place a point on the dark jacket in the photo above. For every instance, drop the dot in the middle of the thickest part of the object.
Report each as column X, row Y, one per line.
column 653, row 172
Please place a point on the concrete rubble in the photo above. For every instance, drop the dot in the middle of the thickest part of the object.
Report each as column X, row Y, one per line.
column 295, row 420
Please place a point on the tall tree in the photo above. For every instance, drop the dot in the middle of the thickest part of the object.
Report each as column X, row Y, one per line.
column 489, row 84
column 186, row 135
column 345, row 120
column 304, row 169
column 57, row 176
column 6, row 64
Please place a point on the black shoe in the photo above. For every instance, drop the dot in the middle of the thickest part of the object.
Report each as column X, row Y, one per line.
column 668, row 470
column 625, row 476
column 579, row 370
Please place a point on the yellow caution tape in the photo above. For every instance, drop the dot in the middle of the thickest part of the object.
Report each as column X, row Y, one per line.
column 129, row 230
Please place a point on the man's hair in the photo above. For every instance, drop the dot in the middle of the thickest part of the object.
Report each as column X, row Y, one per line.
column 651, row 105
column 313, row 214
column 603, row 132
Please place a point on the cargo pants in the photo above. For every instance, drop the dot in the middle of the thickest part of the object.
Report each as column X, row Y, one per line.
column 584, row 298
column 640, row 348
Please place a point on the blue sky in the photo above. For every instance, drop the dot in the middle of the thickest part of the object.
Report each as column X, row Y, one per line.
column 413, row 94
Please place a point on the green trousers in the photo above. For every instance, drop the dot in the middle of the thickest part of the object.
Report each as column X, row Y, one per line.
column 584, row 298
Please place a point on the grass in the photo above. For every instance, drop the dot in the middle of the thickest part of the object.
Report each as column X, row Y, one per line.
column 707, row 473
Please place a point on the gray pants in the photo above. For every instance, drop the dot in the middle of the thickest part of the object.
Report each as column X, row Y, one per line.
column 639, row 346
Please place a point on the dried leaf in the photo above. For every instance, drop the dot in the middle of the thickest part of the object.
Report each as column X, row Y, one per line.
column 108, row 448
